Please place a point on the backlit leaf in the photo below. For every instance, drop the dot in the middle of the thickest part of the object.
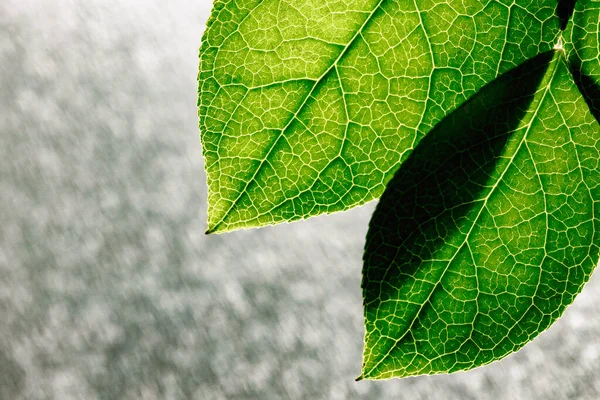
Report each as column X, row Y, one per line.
column 309, row 106
column 489, row 229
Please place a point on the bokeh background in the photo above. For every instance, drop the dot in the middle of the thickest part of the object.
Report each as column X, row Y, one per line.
column 110, row 290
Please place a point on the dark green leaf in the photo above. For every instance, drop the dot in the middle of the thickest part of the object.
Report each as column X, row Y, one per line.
column 488, row 230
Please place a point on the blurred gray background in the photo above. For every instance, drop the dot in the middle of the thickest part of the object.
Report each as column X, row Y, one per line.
column 110, row 290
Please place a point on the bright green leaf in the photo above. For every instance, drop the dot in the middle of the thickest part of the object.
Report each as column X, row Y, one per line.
column 489, row 229
column 309, row 106
column 582, row 43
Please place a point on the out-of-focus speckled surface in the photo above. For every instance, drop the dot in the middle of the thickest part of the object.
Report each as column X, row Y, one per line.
column 109, row 288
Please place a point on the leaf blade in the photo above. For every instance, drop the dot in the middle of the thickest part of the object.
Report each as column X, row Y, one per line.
column 467, row 256
column 401, row 66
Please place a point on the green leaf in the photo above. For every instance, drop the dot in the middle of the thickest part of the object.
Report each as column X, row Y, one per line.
column 309, row 107
column 489, row 229
column 582, row 43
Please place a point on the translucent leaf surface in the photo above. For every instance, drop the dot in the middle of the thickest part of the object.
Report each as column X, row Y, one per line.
column 489, row 229
column 309, row 107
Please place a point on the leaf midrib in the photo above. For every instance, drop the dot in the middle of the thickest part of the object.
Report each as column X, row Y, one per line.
column 554, row 66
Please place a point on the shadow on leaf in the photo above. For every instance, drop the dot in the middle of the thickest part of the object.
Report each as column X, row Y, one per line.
column 564, row 11
column 440, row 183
column 587, row 86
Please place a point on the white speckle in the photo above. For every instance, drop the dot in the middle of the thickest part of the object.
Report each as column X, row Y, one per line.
column 559, row 44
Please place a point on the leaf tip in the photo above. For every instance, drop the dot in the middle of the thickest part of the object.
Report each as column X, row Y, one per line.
column 359, row 378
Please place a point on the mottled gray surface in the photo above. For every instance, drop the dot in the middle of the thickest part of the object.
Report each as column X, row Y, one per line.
column 109, row 288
